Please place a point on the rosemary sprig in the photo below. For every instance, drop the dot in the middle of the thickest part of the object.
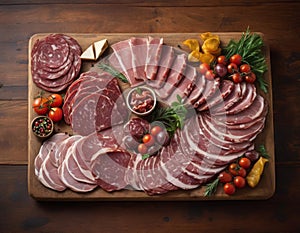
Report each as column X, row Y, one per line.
column 211, row 188
column 250, row 48
column 113, row 72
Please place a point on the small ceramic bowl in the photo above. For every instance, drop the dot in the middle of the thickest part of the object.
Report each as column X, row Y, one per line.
column 42, row 126
column 144, row 108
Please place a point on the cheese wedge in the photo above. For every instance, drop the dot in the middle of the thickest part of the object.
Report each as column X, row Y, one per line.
column 100, row 47
column 95, row 50
column 89, row 53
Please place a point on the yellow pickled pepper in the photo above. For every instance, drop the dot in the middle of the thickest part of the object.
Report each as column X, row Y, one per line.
column 254, row 175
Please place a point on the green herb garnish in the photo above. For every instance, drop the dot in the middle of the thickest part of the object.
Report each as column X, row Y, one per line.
column 145, row 156
column 172, row 117
column 211, row 188
column 263, row 152
column 113, row 72
column 250, row 48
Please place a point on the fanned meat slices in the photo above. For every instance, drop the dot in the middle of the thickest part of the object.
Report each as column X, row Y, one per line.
column 154, row 50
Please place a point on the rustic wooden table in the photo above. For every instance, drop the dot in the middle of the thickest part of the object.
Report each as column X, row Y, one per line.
column 278, row 20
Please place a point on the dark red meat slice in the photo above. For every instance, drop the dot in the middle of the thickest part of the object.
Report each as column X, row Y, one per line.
column 109, row 169
column 197, row 90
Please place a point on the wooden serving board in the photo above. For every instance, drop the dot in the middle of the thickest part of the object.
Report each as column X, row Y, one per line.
column 264, row 190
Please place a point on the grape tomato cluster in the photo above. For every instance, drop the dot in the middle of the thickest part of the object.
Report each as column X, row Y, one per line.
column 234, row 69
column 50, row 106
column 234, row 177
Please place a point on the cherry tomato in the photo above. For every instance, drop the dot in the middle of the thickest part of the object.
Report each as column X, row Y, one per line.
column 210, row 75
column 156, row 130
column 222, row 60
column 239, row 182
column 225, row 177
column 55, row 114
column 237, row 78
column 236, row 59
column 232, row 68
column 148, row 140
column 203, row 68
column 229, row 188
column 234, row 169
column 245, row 162
column 40, row 105
column 242, row 172
column 55, row 100
column 142, row 148
column 250, row 78
column 245, row 68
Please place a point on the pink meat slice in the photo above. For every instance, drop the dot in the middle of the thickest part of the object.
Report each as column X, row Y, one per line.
column 244, row 103
column 174, row 78
column 124, row 55
column 109, row 169
column 243, row 118
column 49, row 176
column 187, row 85
column 154, row 50
column 220, row 94
column 197, row 90
column 230, row 100
column 138, row 48
column 164, row 66
column 71, row 183
column 210, row 88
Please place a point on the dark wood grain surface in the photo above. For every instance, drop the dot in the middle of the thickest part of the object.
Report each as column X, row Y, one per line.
column 278, row 20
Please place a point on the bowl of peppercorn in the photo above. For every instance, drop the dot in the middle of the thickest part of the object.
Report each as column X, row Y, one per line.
column 42, row 126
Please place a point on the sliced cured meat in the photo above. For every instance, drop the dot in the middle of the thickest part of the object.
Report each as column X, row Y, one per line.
column 174, row 78
column 184, row 88
column 244, row 103
column 71, row 183
column 226, row 88
column 48, row 149
column 109, row 169
column 49, row 177
column 154, row 49
column 258, row 108
column 55, row 62
column 84, row 114
column 139, row 49
column 197, row 90
column 209, row 90
column 219, row 140
column 230, row 100
column 164, row 67
column 122, row 52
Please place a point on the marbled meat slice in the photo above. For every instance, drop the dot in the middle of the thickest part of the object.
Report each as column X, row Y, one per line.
column 109, row 169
